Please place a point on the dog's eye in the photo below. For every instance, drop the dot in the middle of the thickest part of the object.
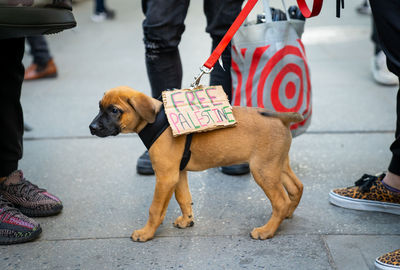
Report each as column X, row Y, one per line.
column 114, row 110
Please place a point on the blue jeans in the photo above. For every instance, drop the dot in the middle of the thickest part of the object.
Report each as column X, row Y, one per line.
column 39, row 50
column 163, row 28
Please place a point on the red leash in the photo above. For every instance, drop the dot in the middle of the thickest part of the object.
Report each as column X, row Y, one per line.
column 317, row 5
column 216, row 54
column 229, row 34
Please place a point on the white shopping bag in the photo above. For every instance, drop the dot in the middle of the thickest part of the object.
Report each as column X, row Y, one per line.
column 269, row 68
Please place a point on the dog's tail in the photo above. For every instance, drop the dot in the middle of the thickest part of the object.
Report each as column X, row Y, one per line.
column 287, row 118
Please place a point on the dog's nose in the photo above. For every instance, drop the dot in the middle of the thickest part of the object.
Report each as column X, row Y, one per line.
column 93, row 128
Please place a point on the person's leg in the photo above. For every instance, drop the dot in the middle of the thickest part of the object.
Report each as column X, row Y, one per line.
column 220, row 15
column 392, row 178
column 162, row 29
column 222, row 75
column 374, row 38
column 99, row 6
column 380, row 193
column 101, row 12
column 379, row 69
column 42, row 65
column 39, row 50
column 11, row 118
column 394, row 166
column 14, row 226
column 31, row 200
column 387, row 21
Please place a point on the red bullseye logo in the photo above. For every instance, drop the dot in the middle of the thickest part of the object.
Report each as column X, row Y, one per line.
column 276, row 102
column 290, row 90
column 283, row 83
column 288, row 68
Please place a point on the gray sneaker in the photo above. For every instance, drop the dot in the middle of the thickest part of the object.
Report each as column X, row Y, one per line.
column 28, row 198
column 14, row 226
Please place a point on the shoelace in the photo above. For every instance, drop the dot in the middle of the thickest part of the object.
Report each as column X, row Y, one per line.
column 7, row 208
column 28, row 189
column 366, row 182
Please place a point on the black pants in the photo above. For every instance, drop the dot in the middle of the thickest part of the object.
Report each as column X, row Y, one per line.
column 99, row 6
column 387, row 21
column 163, row 28
column 11, row 119
column 375, row 39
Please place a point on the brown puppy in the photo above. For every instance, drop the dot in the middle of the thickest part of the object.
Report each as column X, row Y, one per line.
column 260, row 138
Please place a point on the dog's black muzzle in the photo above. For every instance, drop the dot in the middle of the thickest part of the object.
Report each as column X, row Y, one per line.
column 103, row 126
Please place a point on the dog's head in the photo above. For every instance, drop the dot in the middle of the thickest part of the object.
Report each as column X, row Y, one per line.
column 123, row 110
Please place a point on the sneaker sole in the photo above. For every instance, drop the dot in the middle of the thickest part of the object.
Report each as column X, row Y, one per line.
column 40, row 213
column 27, row 21
column 53, row 75
column 384, row 266
column 11, row 241
column 364, row 205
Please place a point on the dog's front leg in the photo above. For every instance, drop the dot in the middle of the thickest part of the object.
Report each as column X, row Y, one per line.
column 165, row 186
column 184, row 198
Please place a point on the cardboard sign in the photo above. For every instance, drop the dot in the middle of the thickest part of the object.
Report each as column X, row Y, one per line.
column 200, row 109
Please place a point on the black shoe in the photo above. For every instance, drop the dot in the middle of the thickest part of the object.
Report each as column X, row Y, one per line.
column 143, row 165
column 237, row 169
column 20, row 19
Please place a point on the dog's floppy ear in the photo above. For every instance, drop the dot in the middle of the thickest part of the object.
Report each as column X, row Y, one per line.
column 144, row 106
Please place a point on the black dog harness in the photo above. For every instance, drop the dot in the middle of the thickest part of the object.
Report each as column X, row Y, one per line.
column 151, row 132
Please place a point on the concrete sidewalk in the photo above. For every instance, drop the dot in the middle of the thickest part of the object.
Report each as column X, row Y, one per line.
column 105, row 200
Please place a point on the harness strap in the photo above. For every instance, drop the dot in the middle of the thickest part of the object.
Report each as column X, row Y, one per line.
column 150, row 133
column 186, row 152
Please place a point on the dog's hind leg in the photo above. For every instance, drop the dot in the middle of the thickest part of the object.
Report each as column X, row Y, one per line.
column 165, row 186
column 292, row 185
column 268, row 177
column 184, row 198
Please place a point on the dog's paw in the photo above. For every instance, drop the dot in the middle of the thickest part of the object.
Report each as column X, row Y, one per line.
column 261, row 234
column 182, row 222
column 141, row 236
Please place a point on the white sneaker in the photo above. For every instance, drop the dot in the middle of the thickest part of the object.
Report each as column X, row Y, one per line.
column 107, row 14
column 380, row 71
column 99, row 17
